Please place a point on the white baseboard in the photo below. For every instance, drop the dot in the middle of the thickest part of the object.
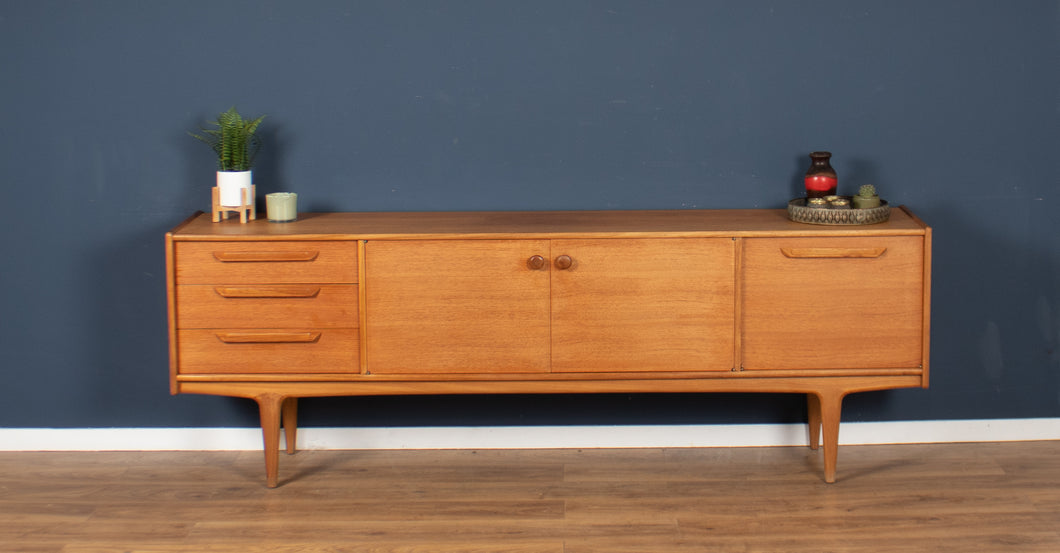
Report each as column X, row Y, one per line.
column 529, row 437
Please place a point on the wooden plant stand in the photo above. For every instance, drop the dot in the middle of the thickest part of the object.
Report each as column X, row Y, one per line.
column 246, row 210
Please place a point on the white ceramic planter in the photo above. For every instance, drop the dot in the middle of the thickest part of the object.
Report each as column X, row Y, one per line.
column 231, row 185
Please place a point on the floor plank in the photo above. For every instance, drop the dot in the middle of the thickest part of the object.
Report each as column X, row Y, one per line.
column 925, row 498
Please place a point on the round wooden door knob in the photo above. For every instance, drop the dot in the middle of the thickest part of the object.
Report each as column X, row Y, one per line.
column 564, row 262
column 536, row 263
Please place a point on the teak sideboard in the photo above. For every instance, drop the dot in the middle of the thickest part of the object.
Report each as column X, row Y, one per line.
column 354, row 304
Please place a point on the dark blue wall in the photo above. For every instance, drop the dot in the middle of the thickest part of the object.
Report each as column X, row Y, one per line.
column 950, row 107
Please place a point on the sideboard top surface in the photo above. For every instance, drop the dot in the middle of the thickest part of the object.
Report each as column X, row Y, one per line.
column 543, row 224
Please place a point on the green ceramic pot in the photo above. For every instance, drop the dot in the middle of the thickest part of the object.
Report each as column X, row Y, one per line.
column 866, row 198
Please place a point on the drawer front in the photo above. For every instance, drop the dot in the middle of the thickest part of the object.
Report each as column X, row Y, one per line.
column 267, row 306
column 837, row 303
column 268, row 351
column 266, row 262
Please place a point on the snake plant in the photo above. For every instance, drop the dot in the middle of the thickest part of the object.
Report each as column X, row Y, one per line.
column 234, row 140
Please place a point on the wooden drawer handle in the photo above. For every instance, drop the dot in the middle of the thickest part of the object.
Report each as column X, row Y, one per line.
column 564, row 262
column 267, row 291
column 257, row 257
column 267, row 337
column 821, row 253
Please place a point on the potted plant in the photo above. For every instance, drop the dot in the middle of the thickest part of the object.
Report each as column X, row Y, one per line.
column 866, row 198
column 236, row 144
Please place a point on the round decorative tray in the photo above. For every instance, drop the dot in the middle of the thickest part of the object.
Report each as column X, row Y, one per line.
column 798, row 212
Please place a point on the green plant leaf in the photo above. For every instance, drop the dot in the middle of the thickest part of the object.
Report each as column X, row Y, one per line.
column 233, row 141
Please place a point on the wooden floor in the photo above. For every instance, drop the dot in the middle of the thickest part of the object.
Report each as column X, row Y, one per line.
column 914, row 498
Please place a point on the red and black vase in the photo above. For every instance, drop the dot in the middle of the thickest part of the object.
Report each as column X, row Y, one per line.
column 821, row 180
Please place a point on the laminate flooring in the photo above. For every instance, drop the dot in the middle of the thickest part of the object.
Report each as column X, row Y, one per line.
column 965, row 498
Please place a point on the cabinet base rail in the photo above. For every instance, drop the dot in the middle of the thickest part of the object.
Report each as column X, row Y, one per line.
column 278, row 401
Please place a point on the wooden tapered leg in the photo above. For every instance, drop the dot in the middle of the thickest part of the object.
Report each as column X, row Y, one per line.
column 831, row 405
column 813, row 416
column 270, row 407
column 290, row 423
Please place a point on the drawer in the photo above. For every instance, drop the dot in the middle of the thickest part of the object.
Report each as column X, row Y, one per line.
column 267, row 305
column 833, row 303
column 282, row 262
column 268, row 351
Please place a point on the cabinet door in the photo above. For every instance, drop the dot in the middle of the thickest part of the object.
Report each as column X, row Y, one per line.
column 456, row 306
column 833, row 303
column 643, row 305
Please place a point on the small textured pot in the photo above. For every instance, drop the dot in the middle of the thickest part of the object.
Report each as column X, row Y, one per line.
column 231, row 185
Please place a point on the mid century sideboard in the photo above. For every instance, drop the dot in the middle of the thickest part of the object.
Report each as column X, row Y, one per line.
column 355, row 304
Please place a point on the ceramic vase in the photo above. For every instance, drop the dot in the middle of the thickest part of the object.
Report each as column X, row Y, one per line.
column 821, row 179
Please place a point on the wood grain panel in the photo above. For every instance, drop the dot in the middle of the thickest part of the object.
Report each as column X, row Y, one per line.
column 266, row 262
column 826, row 309
column 268, row 351
column 267, row 306
column 681, row 223
column 452, row 306
column 643, row 305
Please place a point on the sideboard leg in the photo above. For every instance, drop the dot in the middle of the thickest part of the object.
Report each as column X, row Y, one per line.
column 270, row 407
column 290, row 423
column 813, row 417
column 831, row 404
